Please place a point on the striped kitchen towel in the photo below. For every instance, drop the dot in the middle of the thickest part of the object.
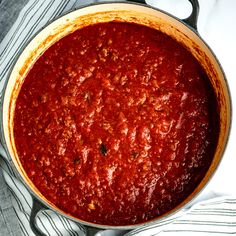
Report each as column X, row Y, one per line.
column 213, row 217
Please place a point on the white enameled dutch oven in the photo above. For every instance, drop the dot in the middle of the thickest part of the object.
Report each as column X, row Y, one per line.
column 183, row 31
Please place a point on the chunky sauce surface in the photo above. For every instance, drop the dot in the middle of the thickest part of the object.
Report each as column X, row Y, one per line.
column 116, row 123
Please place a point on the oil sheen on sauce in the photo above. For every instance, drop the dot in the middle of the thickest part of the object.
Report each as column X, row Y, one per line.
column 116, row 123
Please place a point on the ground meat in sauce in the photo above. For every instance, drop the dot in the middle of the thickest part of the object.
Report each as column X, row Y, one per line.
column 116, row 123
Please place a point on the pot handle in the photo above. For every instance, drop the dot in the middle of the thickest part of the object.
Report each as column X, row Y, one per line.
column 37, row 207
column 91, row 231
column 191, row 20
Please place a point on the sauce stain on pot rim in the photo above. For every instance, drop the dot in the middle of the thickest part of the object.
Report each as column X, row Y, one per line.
column 216, row 71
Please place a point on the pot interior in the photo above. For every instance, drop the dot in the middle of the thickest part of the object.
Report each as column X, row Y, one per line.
column 123, row 12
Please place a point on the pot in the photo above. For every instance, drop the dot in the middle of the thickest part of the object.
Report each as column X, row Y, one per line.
column 183, row 31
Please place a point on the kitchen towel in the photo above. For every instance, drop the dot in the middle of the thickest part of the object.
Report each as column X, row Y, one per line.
column 216, row 216
column 8, row 221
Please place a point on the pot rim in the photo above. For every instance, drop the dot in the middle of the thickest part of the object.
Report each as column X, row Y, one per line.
column 77, row 220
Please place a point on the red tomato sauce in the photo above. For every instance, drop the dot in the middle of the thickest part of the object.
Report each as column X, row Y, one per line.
column 116, row 123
